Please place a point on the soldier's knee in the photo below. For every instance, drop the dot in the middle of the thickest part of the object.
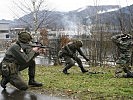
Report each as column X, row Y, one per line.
column 78, row 60
column 72, row 64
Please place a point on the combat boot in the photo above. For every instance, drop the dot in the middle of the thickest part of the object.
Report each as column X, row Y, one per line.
column 4, row 81
column 120, row 74
column 65, row 71
column 83, row 70
column 68, row 66
column 129, row 74
column 33, row 83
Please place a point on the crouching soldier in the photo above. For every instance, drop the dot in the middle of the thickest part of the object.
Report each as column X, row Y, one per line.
column 68, row 52
column 18, row 57
column 124, row 44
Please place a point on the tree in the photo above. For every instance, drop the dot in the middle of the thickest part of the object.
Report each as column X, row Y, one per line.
column 37, row 11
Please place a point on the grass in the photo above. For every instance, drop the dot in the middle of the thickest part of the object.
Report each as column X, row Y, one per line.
column 81, row 86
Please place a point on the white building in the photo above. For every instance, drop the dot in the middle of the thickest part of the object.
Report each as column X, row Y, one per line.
column 4, row 29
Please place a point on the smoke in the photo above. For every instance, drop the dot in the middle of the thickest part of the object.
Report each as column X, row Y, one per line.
column 70, row 25
column 74, row 26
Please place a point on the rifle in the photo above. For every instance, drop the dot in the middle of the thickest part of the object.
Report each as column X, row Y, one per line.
column 96, row 72
column 40, row 45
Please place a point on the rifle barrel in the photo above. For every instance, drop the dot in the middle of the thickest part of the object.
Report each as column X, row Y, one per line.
column 41, row 46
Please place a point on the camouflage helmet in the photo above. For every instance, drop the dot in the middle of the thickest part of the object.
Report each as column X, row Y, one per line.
column 24, row 37
column 78, row 43
column 126, row 36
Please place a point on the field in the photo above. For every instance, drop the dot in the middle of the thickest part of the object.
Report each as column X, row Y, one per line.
column 79, row 86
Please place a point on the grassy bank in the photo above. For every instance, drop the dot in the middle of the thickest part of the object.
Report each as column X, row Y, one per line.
column 101, row 86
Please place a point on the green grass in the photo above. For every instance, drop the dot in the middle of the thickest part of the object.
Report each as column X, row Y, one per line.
column 82, row 86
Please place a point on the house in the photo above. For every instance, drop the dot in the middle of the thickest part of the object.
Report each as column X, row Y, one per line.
column 4, row 30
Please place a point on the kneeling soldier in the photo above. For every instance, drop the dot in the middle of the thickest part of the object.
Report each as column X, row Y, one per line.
column 17, row 58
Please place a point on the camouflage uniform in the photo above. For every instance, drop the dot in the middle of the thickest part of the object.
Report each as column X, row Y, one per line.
column 124, row 44
column 68, row 52
column 18, row 57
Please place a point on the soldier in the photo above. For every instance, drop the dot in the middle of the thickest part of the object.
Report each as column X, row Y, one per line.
column 18, row 57
column 68, row 52
column 124, row 44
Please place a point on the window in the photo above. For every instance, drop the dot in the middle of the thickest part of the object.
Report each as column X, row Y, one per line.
column 7, row 35
column 4, row 31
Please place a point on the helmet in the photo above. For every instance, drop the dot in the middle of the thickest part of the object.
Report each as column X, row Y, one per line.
column 79, row 43
column 24, row 37
column 126, row 36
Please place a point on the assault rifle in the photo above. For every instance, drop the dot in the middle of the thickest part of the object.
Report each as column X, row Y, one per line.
column 40, row 45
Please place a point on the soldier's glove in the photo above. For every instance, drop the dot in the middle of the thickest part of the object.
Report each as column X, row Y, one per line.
column 5, row 70
column 60, row 54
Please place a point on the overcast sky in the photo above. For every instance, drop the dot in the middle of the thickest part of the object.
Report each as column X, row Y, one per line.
column 8, row 8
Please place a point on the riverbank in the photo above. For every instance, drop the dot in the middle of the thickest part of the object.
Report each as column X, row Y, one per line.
column 40, row 60
column 79, row 86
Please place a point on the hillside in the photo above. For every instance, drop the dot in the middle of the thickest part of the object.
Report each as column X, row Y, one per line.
column 111, row 14
column 56, row 19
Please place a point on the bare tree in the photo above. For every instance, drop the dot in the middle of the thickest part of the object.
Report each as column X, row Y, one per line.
column 38, row 11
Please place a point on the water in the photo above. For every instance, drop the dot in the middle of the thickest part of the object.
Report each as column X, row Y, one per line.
column 40, row 60
column 13, row 94
column 1, row 55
